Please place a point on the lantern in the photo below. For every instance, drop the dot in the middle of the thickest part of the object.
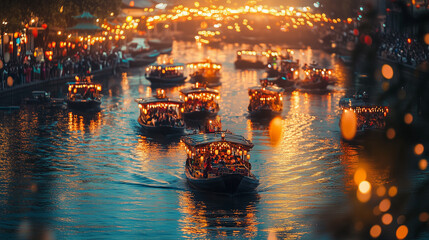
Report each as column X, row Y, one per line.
column 44, row 26
column 216, row 152
column 241, row 152
column 202, row 158
column 248, row 156
column 228, row 152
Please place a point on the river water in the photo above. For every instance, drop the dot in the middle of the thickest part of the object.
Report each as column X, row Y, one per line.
column 74, row 175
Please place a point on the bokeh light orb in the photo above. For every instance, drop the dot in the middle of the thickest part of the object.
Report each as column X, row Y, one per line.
column 387, row 71
column 348, row 124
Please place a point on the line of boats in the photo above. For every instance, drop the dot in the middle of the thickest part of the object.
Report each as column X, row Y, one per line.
column 217, row 160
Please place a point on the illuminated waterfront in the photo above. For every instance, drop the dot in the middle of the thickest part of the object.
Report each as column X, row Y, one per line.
column 91, row 175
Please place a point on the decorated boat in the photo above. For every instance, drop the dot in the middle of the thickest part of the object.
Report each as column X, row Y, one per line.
column 316, row 79
column 248, row 59
column 205, row 72
column 358, row 120
column 159, row 114
column 219, row 162
column 166, row 74
column 200, row 102
column 83, row 95
column 265, row 101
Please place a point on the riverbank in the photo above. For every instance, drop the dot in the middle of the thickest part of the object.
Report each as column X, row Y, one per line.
column 12, row 96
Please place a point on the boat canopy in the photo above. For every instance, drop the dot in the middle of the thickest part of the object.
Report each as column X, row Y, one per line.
column 167, row 67
column 151, row 100
column 71, row 85
column 204, row 65
column 247, row 53
column 269, row 90
column 200, row 140
column 198, row 90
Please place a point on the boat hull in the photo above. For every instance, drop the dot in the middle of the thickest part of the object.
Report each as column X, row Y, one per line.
column 161, row 129
column 140, row 62
column 228, row 183
column 200, row 114
column 166, row 81
column 208, row 81
column 243, row 64
column 84, row 105
column 264, row 113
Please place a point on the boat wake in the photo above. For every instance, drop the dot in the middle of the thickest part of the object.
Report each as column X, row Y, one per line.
column 178, row 184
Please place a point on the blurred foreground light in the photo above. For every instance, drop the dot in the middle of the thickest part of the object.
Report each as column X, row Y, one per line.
column 360, row 175
column 423, row 217
column 375, row 231
column 402, row 232
column 348, row 124
column 408, row 118
column 426, row 38
column 387, row 71
column 423, row 164
column 275, row 131
column 364, row 187
column 393, row 191
column 390, row 133
column 384, row 205
column 387, row 219
column 381, row 191
column 418, row 149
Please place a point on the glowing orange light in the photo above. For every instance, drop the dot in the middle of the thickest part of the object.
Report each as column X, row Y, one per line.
column 426, row 38
column 384, row 205
column 390, row 133
column 275, row 131
column 387, row 71
column 364, row 187
column 418, row 149
column 375, row 231
column 408, row 118
column 393, row 191
column 402, row 232
column 387, row 219
column 381, row 191
column 348, row 124
column 423, row 164
column 360, row 175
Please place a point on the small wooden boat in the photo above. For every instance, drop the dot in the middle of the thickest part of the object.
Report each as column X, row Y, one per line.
column 265, row 101
column 205, row 72
column 248, row 59
column 200, row 102
column 219, row 162
column 159, row 114
column 165, row 74
column 317, row 80
column 83, row 95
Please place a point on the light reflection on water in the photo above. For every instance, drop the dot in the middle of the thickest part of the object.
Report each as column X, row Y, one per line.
column 96, row 175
